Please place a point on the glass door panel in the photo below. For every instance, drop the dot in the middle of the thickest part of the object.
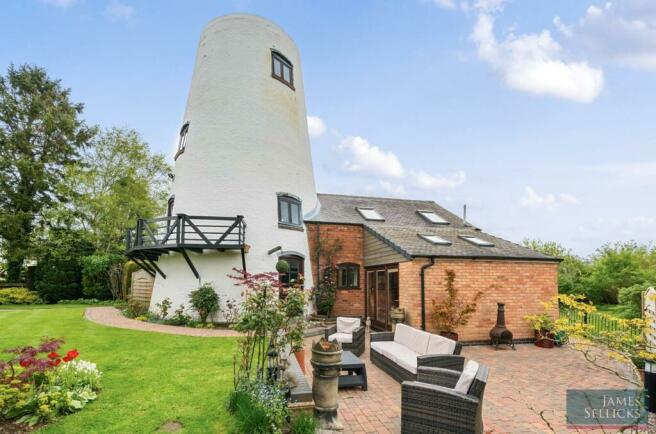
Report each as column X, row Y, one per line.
column 393, row 288
column 371, row 294
column 381, row 298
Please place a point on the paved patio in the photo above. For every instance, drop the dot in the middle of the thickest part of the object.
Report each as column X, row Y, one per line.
column 525, row 394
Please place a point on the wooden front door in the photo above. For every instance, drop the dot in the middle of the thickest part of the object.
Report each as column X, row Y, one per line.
column 382, row 295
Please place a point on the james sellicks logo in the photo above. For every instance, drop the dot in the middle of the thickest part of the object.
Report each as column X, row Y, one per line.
column 610, row 409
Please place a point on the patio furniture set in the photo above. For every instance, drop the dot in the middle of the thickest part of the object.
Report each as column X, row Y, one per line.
column 439, row 392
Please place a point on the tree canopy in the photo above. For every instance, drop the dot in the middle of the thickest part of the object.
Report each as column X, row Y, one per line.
column 41, row 133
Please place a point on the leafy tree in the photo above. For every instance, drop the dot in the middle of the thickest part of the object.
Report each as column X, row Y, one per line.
column 571, row 271
column 117, row 181
column 40, row 134
column 96, row 271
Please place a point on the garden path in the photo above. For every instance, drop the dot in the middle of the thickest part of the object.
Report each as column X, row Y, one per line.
column 110, row 316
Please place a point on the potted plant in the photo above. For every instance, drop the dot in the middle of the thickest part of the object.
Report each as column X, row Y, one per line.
column 544, row 329
column 453, row 312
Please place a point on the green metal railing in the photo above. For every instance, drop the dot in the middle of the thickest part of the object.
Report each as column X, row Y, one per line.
column 599, row 323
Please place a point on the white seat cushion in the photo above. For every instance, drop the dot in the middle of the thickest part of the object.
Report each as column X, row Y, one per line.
column 467, row 377
column 344, row 338
column 347, row 325
column 440, row 345
column 398, row 353
column 416, row 340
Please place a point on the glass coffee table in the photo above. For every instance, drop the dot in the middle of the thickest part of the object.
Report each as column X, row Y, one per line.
column 356, row 372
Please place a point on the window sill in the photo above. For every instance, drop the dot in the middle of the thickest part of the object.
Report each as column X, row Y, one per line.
column 348, row 288
column 291, row 226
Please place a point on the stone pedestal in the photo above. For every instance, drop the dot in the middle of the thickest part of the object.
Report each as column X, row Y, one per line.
column 326, row 361
column 397, row 315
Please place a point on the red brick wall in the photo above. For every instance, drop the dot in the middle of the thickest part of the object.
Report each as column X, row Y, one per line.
column 348, row 302
column 522, row 285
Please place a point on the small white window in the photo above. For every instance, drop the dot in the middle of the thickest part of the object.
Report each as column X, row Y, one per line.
column 182, row 141
column 435, row 239
column 432, row 217
column 282, row 69
column 370, row 214
column 477, row 241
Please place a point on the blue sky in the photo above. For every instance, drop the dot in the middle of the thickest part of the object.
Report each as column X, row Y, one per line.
column 537, row 114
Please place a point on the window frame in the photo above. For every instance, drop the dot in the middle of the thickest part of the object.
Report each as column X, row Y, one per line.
column 360, row 210
column 426, row 238
column 346, row 266
column 423, row 212
column 284, row 62
column 288, row 200
column 471, row 239
column 182, row 139
column 301, row 268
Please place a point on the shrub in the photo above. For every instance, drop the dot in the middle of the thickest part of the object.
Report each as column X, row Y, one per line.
column 324, row 294
column 88, row 301
column 58, row 273
column 303, row 424
column 95, row 275
column 631, row 300
column 179, row 317
column 205, row 301
column 163, row 307
column 135, row 309
column 453, row 312
column 259, row 408
column 18, row 296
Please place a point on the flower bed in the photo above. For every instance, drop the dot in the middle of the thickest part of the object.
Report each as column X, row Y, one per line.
column 37, row 384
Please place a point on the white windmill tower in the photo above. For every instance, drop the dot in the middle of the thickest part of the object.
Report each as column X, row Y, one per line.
column 243, row 179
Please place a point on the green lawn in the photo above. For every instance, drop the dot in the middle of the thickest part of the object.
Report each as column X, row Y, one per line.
column 148, row 378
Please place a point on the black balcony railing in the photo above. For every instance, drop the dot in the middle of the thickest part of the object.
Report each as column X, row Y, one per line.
column 154, row 237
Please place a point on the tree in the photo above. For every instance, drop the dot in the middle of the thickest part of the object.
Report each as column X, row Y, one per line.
column 117, row 181
column 40, row 134
column 571, row 271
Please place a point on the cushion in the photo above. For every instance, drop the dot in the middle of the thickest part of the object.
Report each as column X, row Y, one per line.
column 440, row 345
column 347, row 325
column 467, row 377
column 397, row 353
column 344, row 338
column 416, row 340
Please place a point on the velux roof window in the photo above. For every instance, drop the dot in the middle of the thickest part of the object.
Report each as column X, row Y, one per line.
column 370, row 214
column 477, row 241
column 432, row 217
column 434, row 239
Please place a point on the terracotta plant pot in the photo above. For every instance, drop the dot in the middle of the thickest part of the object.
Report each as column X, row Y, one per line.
column 300, row 357
column 451, row 335
column 544, row 339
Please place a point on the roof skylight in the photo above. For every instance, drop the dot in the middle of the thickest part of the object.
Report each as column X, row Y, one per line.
column 432, row 217
column 370, row 214
column 434, row 239
column 477, row 241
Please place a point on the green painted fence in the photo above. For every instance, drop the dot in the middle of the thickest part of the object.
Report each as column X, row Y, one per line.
column 598, row 322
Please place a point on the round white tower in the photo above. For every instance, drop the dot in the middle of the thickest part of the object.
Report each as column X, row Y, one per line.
column 244, row 151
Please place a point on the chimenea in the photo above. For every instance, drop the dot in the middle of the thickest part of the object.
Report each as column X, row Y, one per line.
column 500, row 333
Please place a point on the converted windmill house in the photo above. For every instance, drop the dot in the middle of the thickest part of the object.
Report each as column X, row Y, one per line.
column 244, row 197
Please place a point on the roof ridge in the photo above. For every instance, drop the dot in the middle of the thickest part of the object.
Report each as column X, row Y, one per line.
column 377, row 197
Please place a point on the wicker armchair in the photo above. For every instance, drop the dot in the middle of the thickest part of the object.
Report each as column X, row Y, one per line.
column 356, row 346
column 447, row 361
column 430, row 405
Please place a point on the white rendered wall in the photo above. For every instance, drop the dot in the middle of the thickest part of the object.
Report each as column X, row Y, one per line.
column 247, row 141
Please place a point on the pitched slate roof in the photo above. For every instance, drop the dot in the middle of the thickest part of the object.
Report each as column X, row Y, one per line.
column 403, row 225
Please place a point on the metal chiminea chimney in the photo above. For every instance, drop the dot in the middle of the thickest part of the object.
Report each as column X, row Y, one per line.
column 500, row 333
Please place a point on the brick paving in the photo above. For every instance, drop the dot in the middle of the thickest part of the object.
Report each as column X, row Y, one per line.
column 525, row 392
column 110, row 316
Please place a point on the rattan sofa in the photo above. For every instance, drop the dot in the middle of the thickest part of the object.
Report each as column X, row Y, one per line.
column 356, row 344
column 400, row 367
column 431, row 405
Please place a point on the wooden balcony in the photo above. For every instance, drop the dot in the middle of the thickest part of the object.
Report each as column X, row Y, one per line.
column 182, row 233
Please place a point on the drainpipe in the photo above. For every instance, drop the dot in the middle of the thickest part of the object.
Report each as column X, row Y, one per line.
column 422, row 273
column 318, row 247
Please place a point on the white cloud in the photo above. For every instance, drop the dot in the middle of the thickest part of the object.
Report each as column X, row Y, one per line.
column 426, row 181
column 392, row 188
column 562, row 28
column 549, row 201
column 119, row 10
column 59, row 3
column 316, row 127
column 446, row 4
column 534, row 63
column 369, row 159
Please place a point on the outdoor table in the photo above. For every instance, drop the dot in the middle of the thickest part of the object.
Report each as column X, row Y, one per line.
column 356, row 371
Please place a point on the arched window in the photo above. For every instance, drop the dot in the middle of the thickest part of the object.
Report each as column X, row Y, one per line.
column 348, row 276
column 295, row 270
column 182, row 141
column 282, row 69
column 290, row 214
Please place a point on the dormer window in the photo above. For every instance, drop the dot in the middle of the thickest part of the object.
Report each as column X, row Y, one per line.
column 370, row 214
column 432, row 217
column 290, row 215
column 282, row 69
column 182, row 141
column 477, row 241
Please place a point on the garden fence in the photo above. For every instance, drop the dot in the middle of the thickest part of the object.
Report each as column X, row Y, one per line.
column 599, row 322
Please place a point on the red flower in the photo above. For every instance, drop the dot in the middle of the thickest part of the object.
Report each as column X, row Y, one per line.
column 25, row 362
column 55, row 362
column 67, row 359
column 72, row 354
column 53, row 355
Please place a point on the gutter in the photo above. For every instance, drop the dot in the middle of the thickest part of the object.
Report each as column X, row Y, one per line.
column 422, row 274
